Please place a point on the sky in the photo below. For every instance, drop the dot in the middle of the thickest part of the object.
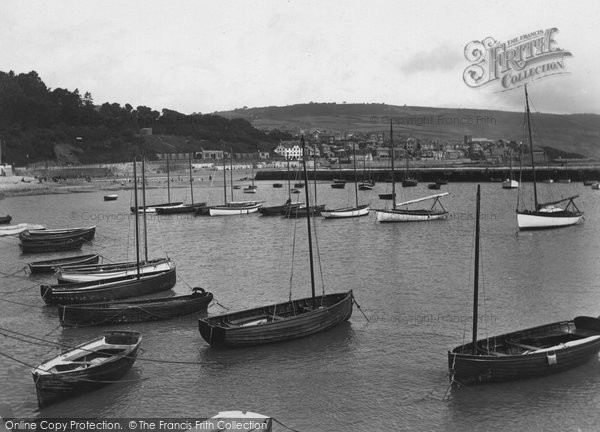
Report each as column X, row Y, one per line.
column 207, row 56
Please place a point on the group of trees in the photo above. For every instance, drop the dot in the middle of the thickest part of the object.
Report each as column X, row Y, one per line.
column 34, row 118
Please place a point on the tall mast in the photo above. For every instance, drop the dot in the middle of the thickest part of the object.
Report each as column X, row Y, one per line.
column 289, row 182
column 191, row 180
column 355, row 179
column 231, row 173
column 476, row 273
column 168, row 179
column 315, row 172
column 308, row 211
column 137, row 211
column 392, row 157
column 531, row 149
column 225, row 182
column 144, row 206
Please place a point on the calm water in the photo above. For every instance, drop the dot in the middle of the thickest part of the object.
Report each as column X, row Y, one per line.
column 412, row 280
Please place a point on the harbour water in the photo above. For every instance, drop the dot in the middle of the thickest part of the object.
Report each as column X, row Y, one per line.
column 413, row 282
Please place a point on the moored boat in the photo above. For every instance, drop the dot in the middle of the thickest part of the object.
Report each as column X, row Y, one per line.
column 434, row 186
column 10, row 230
column 89, row 273
column 111, row 197
column 537, row 351
column 545, row 215
column 50, row 266
column 133, row 311
column 46, row 246
column 277, row 322
column 86, row 234
column 180, row 208
column 86, row 367
column 108, row 290
column 5, row 219
column 233, row 208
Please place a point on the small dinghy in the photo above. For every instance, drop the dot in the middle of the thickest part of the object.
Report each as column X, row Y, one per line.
column 86, row 367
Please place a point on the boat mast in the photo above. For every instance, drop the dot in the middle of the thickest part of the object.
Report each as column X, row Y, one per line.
column 231, row 173
column 392, row 156
column 144, row 206
column 289, row 182
column 315, row 171
column 168, row 179
column 137, row 211
column 191, row 180
column 531, row 149
column 224, row 181
column 308, row 210
column 476, row 272
column 355, row 179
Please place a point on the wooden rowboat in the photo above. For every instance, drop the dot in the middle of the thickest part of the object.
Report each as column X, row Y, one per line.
column 5, row 219
column 50, row 266
column 45, row 246
column 113, row 289
column 58, row 235
column 112, row 197
column 123, row 312
column 278, row 322
column 86, row 367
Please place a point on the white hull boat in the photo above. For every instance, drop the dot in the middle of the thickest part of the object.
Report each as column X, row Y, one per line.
column 349, row 212
column 92, row 273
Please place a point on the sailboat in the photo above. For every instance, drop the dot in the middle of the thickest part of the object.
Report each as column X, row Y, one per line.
column 408, row 181
column 133, row 281
column 287, row 207
column 151, row 208
column 390, row 196
column 183, row 208
column 546, row 215
column 348, row 212
column 231, row 208
column 407, row 214
column 536, row 351
column 367, row 183
column 510, row 183
column 283, row 321
column 251, row 188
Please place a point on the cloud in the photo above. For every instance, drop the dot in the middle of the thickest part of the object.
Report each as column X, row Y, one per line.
column 441, row 58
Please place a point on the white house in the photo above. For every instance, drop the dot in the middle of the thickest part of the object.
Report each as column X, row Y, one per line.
column 289, row 150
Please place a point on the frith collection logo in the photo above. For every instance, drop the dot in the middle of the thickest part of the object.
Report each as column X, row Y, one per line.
column 515, row 62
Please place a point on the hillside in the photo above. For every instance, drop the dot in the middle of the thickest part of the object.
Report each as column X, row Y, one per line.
column 39, row 125
column 572, row 133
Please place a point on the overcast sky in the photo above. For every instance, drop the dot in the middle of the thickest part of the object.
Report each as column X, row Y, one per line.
column 205, row 56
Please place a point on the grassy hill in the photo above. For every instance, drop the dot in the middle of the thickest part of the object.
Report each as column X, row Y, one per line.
column 572, row 133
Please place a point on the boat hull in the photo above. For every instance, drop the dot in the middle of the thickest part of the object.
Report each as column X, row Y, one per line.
column 50, row 266
column 103, row 291
column 109, row 271
column 409, row 215
column 510, row 184
column 349, row 212
column 55, row 386
column 125, row 312
column 221, row 331
column 51, row 246
column 179, row 209
column 494, row 366
column 233, row 210
column 279, row 210
column 547, row 220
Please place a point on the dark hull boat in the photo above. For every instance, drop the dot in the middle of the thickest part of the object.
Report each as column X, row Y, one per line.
column 387, row 196
column 5, row 219
column 366, row 186
column 279, row 210
column 86, row 234
column 527, row 353
column 111, row 197
column 409, row 183
column 135, row 311
column 301, row 211
column 434, row 186
column 338, row 185
column 276, row 323
column 50, row 266
column 108, row 290
column 86, row 367
column 151, row 208
column 277, row 185
column 51, row 246
column 181, row 208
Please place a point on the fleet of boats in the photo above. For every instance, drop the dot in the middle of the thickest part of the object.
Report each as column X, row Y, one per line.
column 89, row 293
